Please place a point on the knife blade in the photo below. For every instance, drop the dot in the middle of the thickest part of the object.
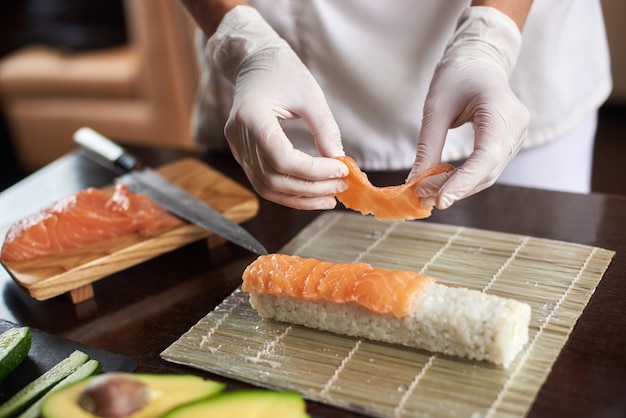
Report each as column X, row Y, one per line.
column 144, row 180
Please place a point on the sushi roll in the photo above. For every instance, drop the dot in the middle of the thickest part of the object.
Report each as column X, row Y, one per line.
column 392, row 306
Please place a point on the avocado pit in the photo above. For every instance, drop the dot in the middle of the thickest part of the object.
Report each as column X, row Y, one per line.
column 114, row 395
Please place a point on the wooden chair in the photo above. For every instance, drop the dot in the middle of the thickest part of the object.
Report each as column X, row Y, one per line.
column 141, row 92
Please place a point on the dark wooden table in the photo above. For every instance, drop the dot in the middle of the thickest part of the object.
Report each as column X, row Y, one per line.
column 141, row 311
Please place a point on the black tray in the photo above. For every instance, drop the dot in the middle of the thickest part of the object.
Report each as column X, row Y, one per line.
column 46, row 351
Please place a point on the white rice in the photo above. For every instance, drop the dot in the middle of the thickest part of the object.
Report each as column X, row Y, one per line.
column 452, row 321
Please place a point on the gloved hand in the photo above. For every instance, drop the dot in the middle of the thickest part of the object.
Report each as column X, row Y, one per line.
column 471, row 84
column 272, row 84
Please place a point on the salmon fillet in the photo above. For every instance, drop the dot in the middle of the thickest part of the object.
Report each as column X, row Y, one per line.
column 83, row 218
column 379, row 290
column 393, row 203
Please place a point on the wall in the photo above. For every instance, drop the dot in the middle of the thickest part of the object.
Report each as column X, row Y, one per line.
column 615, row 16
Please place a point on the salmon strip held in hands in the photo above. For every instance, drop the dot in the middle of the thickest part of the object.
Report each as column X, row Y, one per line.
column 86, row 217
column 391, row 203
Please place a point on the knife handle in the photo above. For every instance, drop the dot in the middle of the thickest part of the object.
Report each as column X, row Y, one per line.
column 103, row 147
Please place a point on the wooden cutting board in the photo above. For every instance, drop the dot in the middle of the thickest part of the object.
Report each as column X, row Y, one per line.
column 72, row 271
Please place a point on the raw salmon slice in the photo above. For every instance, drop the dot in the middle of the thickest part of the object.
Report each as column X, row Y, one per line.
column 392, row 203
column 379, row 290
column 83, row 218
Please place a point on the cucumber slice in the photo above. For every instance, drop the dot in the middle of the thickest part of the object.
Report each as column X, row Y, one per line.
column 35, row 389
column 14, row 347
column 90, row 368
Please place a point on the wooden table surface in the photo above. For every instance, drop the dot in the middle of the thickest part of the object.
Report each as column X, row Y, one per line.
column 142, row 310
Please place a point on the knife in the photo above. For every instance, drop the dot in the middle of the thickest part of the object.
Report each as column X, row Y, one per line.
column 144, row 180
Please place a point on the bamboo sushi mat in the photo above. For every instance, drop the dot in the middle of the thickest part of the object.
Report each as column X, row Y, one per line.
column 382, row 380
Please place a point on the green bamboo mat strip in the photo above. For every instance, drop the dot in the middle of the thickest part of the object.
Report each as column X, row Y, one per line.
column 382, row 380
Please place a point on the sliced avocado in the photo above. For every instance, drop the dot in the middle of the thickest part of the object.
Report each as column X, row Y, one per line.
column 141, row 395
column 245, row 403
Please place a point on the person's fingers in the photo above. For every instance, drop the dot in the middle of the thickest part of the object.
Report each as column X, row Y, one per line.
column 285, row 183
column 297, row 201
column 436, row 121
column 324, row 129
column 267, row 144
column 495, row 144
column 431, row 185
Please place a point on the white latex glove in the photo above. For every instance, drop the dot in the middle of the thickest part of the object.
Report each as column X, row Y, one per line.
column 272, row 84
column 471, row 84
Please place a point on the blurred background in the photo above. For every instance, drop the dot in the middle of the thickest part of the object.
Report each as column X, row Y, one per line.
column 127, row 68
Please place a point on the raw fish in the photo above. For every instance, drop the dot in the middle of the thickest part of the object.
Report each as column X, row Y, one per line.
column 86, row 217
column 393, row 203
column 379, row 290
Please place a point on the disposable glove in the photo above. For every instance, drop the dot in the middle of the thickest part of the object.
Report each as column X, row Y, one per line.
column 271, row 85
column 471, row 84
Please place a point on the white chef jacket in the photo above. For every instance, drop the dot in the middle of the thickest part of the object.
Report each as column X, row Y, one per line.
column 374, row 61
